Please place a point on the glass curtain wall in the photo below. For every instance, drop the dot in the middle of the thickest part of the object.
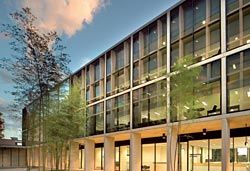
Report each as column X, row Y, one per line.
column 238, row 26
column 149, row 105
column 204, row 95
column 195, row 30
column 238, row 82
column 200, row 154
column 95, row 119
column 118, row 113
column 154, row 157
column 122, row 158
column 99, row 159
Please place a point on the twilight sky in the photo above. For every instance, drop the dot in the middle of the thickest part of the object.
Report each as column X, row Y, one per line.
column 87, row 27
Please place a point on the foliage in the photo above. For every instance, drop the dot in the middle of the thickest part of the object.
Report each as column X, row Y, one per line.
column 64, row 121
column 38, row 62
column 185, row 86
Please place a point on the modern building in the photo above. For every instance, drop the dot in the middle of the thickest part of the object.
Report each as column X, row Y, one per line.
column 131, row 123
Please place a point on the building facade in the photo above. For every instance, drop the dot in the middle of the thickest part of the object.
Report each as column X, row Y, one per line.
column 130, row 123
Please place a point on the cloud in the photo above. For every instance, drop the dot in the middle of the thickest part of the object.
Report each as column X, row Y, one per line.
column 64, row 16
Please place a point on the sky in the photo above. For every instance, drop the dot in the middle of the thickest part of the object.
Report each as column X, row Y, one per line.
column 87, row 28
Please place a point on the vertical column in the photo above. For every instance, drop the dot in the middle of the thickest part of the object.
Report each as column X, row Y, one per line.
column 109, row 154
column 135, row 152
column 131, row 80
column 168, row 67
column 89, row 150
column 225, row 152
column 223, row 27
column 172, row 140
column 74, row 156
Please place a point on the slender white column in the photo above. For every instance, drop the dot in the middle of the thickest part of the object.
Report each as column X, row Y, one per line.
column 223, row 27
column 74, row 156
column 225, row 152
column 89, row 150
column 172, row 150
column 135, row 152
column 109, row 154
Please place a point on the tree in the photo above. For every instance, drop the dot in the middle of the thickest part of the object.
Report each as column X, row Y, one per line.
column 64, row 122
column 184, row 93
column 38, row 64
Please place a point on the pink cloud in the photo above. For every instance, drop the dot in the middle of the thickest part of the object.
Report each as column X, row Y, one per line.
column 64, row 16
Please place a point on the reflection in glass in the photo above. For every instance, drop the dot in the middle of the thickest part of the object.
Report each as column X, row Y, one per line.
column 99, row 158
column 95, row 119
column 136, row 47
column 233, row 31
column 231, row 5
column 149, row 105
column 238, row 81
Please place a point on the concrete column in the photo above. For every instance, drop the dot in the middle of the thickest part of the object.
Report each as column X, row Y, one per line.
column 109, row 154
column 225, row 151
column 223, row 27
column 135, row 152
column 74, row 156
column 172, row 152
column 89, row 153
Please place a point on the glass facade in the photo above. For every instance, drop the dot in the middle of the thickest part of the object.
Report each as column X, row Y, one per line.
column 195, row 26
column 238, row 82
column 95, row 116
column 149, row 105
column 118, row 113
column 99, row 159
column 122, row 158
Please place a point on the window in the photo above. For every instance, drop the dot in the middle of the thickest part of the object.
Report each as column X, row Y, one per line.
column 174, row 53
column 97, row 90
column 200, row 45
column 188, row 17
column 164, row 31
column 231, row 5
column 233, row 31
column 118, row 115
column 149, row 105
column 150, row 38
column 97, row 71
column 238, row 82
column 214, row 9
column 246, row 25
column 154, row 157
column 119, row 58
column 99, row 158
column 122, row 158
column 108, row 85
column 88, row 95
column 87, row 76
column 150, row 65
column 109, row 66
column 188, row 46
column 214, row 46
column 136, row 47
column 174, row 27
column 136, row 73
column 95, row 119
column 199, row 13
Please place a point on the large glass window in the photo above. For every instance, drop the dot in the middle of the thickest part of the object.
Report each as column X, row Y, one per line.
column 97, row 90
column 231, row 5
column 149, row 105
column 87, row 76
column 136, row 74
column 164, row 31
column 95, row 119
column 150, row 66
column 108, row 65
column 202, row 95
column 199, row 13
column 238, row 81
column 214, row 45
column 246, row 25
column 97, row 71
column 214, row 9
column 99, row 158
column 240, row 153
column 233, row 31
column 108, row 85
column 118, row 113
column 136, row 47
column 119, row 57
column 174, row 27
column 154, row 157
column 150, row 38
column 122, row 158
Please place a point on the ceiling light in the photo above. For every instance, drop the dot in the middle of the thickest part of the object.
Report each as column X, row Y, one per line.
column 157, row 113
column 236, row 92
column 236, row 38
column 196, row 41
column 196, row 8
column 204, row 131
column 234, row 66
column 164, row 43
column 163, row 95
column 203, row 22
column 248, row 41
column 173, row 22
column 204, row 103
column 248, row 93
column 149, row 94
column 155, row 76
column 186, row 107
